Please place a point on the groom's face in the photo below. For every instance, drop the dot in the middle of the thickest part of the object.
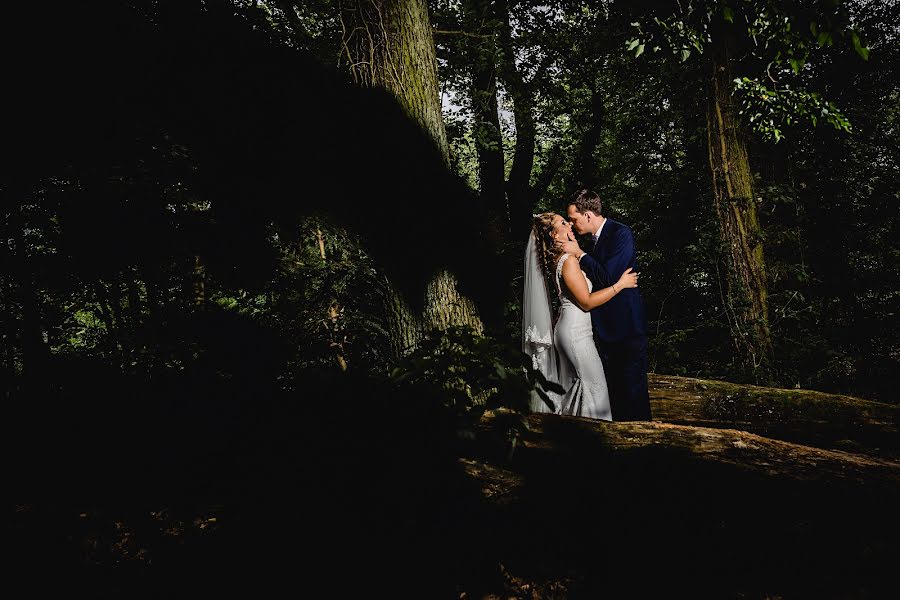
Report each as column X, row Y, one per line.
column 581, row 223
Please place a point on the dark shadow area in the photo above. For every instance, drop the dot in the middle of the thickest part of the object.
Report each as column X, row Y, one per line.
column 123, row 104
column 162, row 442
column 349, row 486
column 653, row 522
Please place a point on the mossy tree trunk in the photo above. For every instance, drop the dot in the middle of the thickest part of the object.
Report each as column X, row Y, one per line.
column 746, row 295
column 389, row 44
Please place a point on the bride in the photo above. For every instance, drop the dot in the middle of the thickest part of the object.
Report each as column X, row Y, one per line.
column 565, row 352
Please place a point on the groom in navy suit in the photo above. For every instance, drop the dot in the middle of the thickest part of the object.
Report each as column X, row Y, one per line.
column 619, row 325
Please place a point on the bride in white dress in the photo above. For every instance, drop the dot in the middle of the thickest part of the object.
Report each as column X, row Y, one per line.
column 564, row 352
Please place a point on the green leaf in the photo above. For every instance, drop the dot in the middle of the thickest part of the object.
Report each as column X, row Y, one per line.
column 727, row 14
column 813, row 28
column 633, row 44
column 796, row 64
column 640, row 50
column 685, row 54
column 857, row 45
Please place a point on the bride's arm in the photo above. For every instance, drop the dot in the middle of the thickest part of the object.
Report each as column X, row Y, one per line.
column 574, row 280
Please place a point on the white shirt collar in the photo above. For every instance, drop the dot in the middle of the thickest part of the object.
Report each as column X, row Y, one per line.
column 596, row 236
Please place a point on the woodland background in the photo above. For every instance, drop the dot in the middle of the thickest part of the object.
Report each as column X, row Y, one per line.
column 238, row 235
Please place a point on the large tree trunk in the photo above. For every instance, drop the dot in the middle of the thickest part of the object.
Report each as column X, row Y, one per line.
column 389, row 44
column 747, row 296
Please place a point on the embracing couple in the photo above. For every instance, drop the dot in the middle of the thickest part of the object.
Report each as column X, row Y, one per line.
column 596, row 348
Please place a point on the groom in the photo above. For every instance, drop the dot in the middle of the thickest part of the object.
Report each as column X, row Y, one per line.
column 619, row 325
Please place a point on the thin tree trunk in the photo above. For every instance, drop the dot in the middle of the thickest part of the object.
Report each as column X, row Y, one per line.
column 35, row 353
column 551, row 166
column 735, row 204
column 334, row 312
column 153, row 293
column 101, row 293
column 521, row 195
column 198, row 283
column 389, row 44
column 483, row 52
column 135, row 310
column 587, row 168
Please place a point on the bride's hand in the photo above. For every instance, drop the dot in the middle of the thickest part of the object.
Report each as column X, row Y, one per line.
column 628, row 279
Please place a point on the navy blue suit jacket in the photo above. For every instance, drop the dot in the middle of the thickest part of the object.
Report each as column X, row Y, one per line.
column 623, row 316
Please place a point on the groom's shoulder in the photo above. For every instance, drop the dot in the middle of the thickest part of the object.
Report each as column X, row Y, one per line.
column 617, row 226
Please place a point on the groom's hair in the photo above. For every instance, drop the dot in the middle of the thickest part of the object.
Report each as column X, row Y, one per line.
column 586, row 200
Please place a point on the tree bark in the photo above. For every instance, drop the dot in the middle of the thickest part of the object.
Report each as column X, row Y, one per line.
column 389, row 44
column 520, row 193
column 550, row 435
column 545, row 177
column 482, row 48
column 35, row 353
column 198, row 283
column 587, row 168
column 746, row 295
column 334, row 312
column 135, row 310
column 104, row 304
column 807, row 417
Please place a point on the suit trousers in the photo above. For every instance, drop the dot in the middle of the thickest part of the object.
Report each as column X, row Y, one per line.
column 625, row 365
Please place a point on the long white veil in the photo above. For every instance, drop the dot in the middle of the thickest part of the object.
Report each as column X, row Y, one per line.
column 537, row 333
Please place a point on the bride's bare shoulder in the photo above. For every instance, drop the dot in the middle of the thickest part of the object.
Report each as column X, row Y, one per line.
column 570, row 263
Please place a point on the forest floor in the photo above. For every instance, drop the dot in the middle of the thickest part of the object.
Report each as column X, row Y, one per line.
column 716, row 498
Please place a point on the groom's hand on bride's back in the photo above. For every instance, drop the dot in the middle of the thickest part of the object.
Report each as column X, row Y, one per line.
column 629, row 279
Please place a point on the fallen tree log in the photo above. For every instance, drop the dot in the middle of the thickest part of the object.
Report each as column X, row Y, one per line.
column 803, row 416
column 746, row 451
column 709, row 512
column 656, row 443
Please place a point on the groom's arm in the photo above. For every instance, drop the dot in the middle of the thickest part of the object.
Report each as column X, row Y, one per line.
column 595, row 271
column 621, row 255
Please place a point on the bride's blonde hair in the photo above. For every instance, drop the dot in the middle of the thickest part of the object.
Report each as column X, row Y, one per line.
column 542, row 226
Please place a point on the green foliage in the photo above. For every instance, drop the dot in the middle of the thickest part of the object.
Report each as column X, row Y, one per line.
column 773, row 39
column 471, row 373
column 101, row 253
column 329, row 306
column 771, row 109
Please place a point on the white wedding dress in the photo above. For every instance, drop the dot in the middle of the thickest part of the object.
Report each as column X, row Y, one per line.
column 573, row 336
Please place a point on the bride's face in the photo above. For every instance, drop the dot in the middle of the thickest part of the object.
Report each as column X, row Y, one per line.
column 562, row 229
